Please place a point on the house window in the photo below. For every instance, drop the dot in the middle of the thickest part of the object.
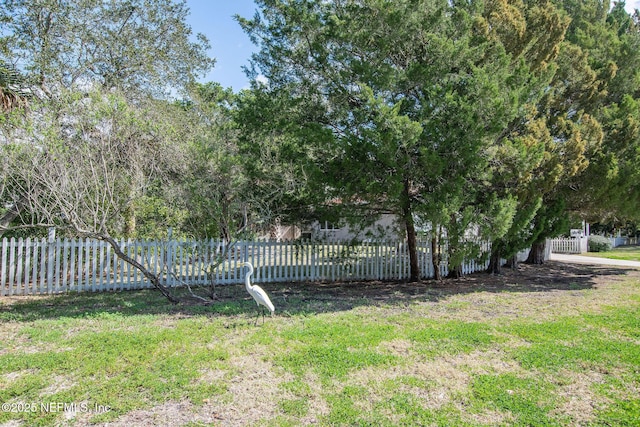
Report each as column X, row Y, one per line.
column 328, row 226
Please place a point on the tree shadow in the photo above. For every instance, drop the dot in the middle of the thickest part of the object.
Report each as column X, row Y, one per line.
column 552, row 276
column 313, row 298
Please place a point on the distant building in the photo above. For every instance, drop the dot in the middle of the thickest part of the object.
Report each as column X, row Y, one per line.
column 385, row 227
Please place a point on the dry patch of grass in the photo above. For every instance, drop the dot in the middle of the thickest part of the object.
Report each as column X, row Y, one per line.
column 254, row 390
column 577, row 397
column 168, row 413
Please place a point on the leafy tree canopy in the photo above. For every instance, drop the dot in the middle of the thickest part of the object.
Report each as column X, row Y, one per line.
column 130, row 45
column 404, row 99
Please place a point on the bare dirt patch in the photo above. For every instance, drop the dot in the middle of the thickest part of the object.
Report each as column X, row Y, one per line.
column 444, row 379
column 167, row 414
column 579, row 402
column 252, row 395
column 254, row 391
column 13, row 376
column 57, row 385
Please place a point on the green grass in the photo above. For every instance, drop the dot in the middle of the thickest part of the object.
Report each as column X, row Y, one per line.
column 529, row 401
column 356, row 361
column 626, row 253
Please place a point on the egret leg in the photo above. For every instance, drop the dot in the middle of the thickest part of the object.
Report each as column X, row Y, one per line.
column 256, row 322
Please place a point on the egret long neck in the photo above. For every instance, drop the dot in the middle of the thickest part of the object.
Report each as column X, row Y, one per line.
column 247, row 280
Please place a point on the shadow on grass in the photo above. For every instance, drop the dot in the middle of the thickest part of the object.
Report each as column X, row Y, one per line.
column 312, row 298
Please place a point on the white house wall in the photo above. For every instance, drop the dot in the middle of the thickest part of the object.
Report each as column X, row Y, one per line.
column 384, row 228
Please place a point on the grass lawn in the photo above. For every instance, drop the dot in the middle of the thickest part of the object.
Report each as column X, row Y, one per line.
column 550, row 345
column 627, row 253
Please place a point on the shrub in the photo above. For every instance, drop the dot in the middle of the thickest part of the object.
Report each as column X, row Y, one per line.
column 599, row 244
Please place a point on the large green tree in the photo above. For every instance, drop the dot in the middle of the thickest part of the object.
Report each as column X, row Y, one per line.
column 141, row 49
column 531, row 33
column 74, row 165
column 608, row 190
column 131, row 45
column 572, row 124
column 214, row 189
column 394, row 104
column 591, row 111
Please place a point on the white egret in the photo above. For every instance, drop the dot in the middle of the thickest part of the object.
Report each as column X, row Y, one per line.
column 257, row 293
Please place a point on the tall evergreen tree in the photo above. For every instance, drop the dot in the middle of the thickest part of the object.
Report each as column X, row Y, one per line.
column 531, row 32
column 404, row 97
column 592, row 114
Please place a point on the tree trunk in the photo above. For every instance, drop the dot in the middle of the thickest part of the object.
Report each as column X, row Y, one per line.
column 536, row 254
column 413, row 252
column 407, row 215
column 454, row 263
column 512, row 262
column 455, row 272
column 435, row 257
column 495, row 262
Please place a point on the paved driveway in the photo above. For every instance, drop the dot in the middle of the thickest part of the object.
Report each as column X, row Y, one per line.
column 580, row 259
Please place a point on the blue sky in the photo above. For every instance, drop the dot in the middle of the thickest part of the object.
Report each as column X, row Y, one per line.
column 229, row 44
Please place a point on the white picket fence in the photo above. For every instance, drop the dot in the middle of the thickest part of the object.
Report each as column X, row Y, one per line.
column 568, row 245
column 572, row 245
column 46, row 266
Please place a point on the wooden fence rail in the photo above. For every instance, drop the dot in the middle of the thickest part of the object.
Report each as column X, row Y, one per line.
column 46, row 266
